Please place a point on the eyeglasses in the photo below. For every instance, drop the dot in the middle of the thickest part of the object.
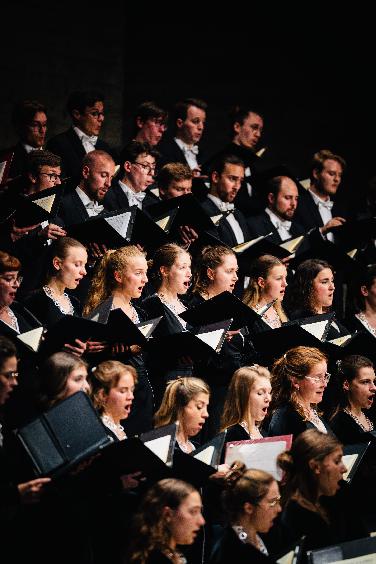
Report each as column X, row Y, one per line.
column 319, row 379
column 150, row 169
column 9, row 375
column 12, row 279
column 159, row 121
column 52, row 176
column 274, row 501
column 95, row 114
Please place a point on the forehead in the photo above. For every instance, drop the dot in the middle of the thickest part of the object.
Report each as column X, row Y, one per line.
column 201, row 397
column 318, row 366
column 233, row 170
column 324, row 273
column 40, row 116
column 195, row 112
column 182, row 183
column 182, row 258
column 96, row 106
column 332, row 165
column 229, row 261
column 277, row 270
column 261, row 382
column 365, row 372
column 192, row 500
column 48, row 168
column 138, row 263
column 125, row 380
column 103, row 165
column 9, row 273
column 146, row 158
column 253, row 119
column 76, row 254
column 288, row 188
column 334, row 454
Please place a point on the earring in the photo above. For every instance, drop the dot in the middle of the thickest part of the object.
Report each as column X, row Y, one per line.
column 297, row 387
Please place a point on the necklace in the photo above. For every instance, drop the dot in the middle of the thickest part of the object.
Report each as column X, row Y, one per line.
column 177, row 308
column 362, row 318
column 246, row 429
column 317, row 422
column 175, row 556
column 272, row 320
column 245, row 538
column 49, row 292
column 114, row 427
column 186, row 447
column 133, row 312
column 358, row 421
column 13, row 321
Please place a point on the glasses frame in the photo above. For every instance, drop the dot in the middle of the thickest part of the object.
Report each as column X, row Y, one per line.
column 18, row 279
column 11, row 374
column 146, row 166
column 319, row 379
column 57, row 176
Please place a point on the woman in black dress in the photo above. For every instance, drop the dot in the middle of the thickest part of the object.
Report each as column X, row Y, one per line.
column 247, row 403
column 364, row 306
column 170, row 515
column 251, row 505
column 299, row 379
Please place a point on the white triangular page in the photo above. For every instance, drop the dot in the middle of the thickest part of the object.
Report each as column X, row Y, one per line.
column 120, row 223
column 46, row 203
column 205, row 455
column 211, row 338
column 340, row 340
column 160, row 446
column 262, row 456
column 32, row 338
column 244, row 246
column 216, row 218
column 162, row 223
column 349, row 461
column 145, row 329
column 316, row 329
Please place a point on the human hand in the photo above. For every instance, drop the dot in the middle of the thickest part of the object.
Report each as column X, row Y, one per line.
column 30, row 492
column 52, row 231
column 78, row 350
column 334, row 222
column 19, row 232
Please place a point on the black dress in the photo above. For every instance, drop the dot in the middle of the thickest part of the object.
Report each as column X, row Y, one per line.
column 287, row 421
column 45, row 309
column 231, row 549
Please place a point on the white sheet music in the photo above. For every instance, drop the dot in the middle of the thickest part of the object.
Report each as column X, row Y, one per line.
column 316, row 329
column 365, row 559
column 160, row 446
column 145, row 328
column 32, row 338
column 205, row 455
column 2, row 169
column 349, row 461
column 46, row 203
column 262, row 456
column 120, row 223
column 211, row 338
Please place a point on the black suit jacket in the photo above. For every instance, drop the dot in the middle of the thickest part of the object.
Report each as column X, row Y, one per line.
column 116, row 199
column 307, row 212
column 72, row 210
column 225, row 231
column 19, row 160
column 71, row 150
column 262, row 225
column 170, row 152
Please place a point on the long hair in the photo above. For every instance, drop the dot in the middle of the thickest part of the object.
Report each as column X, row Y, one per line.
column 54, row 375
column 366, row 279
column 178, row 394
column 164, row 256
column 105, row 377
column 210, row 257
column 236, row 408
column 299, row 476
column 347, row 370
column 295, row 363
column 300, row 293
column 260, row 268
column 104, row 283
column 250, row 486
column 59, row 248
column 150, row 528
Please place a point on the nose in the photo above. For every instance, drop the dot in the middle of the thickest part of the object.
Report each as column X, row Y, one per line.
column 236, row 277
column 205, row 413
column 145, row 279
column 373, row 387
column 201, row 520
column 85, row 387
column 58, row 180
column 83, row 271
column 131, row 395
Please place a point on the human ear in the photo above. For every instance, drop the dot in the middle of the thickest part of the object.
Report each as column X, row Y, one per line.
column 346, row 385
column 56, row 263
column 314, row 466
column 364, row 291
column 210, row 273
column 117, row 277
column 248, row 508
column 261, row 282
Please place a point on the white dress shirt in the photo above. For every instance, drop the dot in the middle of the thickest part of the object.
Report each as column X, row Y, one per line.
column 234, row 224
column 283, row 226
column 325, row 210
column 92, row 207
column 88, row 141
column 190, row 153
column 134, row 198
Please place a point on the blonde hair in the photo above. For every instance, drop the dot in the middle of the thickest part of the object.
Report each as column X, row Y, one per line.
column 105, row 377
column 104, row 281
column 295, row 363
column 260, row 268
column 210, row 257
column 236, row 408
column 178, row 394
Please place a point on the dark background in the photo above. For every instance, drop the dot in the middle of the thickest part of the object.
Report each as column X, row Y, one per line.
column 310, row 71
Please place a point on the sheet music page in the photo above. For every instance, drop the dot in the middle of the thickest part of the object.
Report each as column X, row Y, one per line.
column 262, row 456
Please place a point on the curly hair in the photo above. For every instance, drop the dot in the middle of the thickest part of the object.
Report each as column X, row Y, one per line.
column 236, row 408
column 295, row 363
column 260, row 268
column 150, row 528
column 104, row 281
column 210, row 257
column 178, row 394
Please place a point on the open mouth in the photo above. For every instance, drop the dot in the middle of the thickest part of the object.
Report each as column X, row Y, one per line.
column 187, row 283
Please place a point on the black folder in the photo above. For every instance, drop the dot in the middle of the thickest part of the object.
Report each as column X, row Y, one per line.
column 355, row 453
column 69, row 328
column 33, row 209
column 63, row 436
column 161, row 442
column 344, row 551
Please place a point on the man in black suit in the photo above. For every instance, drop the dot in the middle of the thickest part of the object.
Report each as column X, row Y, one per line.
column 98, row 169
column 316, row 207
column 29, row 118
column 182, row 147
column 150, row 123
column 174, row 180
column 138, row 168
column 278, row 218
column 225, row 180
column 87, row 112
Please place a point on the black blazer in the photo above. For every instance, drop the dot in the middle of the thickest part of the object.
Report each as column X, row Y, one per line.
column 287, row 421
column 231, row 549
column 225, row 231
column 69, row 147
column 72, row 210
column 170, row 152
column 116, row 199
column 307, row 212
column 261, row 225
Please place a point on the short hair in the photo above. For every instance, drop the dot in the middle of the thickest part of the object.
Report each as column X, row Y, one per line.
column 250, row 487
column 181, row 108
column 273, row 185
column 149, row 110
column 54, row 375
column 24, row 112
column 320, row 157
column 8, row 262
column 173, row 172
column 80, row 100
column 7, row 350
column 37, row 159
column 210, row 257
column 300, row 292
column 299, row 476
column 92, row 156
column 178, row 394
column 236, row 408
column 238, row 114
column 59, row 248
column 218, row 165
column 105, row 377
column 134, row 149
column 295, row 363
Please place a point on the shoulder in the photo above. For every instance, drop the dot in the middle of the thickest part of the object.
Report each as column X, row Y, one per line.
column 286, row 420
column 236, row 433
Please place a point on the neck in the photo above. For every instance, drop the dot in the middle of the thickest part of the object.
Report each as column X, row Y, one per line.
column 82, row 186
column 305, row 403
column 128, row 182
column 211, row 292
column 182, row 436
column 318, row 193
column 3, row 308
column 186, row 141
column 57, row 286
column 370, row 310
column 167, row 292
column 355, row 409
column 122, row 297
column 243, row 521
column 251, row 424
column 116, row 420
